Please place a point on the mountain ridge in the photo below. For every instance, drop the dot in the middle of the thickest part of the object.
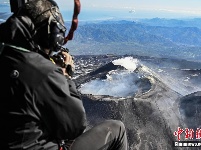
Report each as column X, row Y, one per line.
column 129, row 37
column 127, row 31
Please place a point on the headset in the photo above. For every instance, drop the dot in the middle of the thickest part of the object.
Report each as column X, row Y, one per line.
column 16, row 4
column 50, row 33
column 56, row 30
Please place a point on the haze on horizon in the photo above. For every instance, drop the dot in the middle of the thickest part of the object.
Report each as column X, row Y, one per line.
column 133, row 8
column 140, row 9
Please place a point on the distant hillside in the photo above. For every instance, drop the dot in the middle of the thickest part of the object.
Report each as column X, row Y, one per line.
column 156, row 37
column 125, row 31
column 119, row 32
column 129, row 37
column 195, row 22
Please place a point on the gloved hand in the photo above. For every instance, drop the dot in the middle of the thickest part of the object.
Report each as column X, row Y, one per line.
column 69, row 66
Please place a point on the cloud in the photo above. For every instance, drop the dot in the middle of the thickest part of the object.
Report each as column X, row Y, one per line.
column 181, row 11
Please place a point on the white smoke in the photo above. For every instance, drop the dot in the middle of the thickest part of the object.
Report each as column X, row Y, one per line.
column 128, row 62
column 119, row 83
column 122, row 83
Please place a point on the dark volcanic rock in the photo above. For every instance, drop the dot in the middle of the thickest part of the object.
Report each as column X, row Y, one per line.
column 150, row 119
column 102, row 71
column 145, row 126
column 151, row 116
column 190, row 110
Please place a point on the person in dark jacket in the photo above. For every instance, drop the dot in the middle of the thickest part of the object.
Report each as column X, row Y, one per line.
column 40, row 106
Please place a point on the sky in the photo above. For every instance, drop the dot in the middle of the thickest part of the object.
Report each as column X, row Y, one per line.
column 100, row 9
column 143, row 4
column 138, row 8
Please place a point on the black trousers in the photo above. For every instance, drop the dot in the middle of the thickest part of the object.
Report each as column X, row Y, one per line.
column 108, row 135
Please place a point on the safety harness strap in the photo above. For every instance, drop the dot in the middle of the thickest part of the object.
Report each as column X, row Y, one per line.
column 77, row 7
column 3, row 45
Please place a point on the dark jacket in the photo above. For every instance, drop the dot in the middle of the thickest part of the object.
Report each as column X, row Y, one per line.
column 38, row 105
